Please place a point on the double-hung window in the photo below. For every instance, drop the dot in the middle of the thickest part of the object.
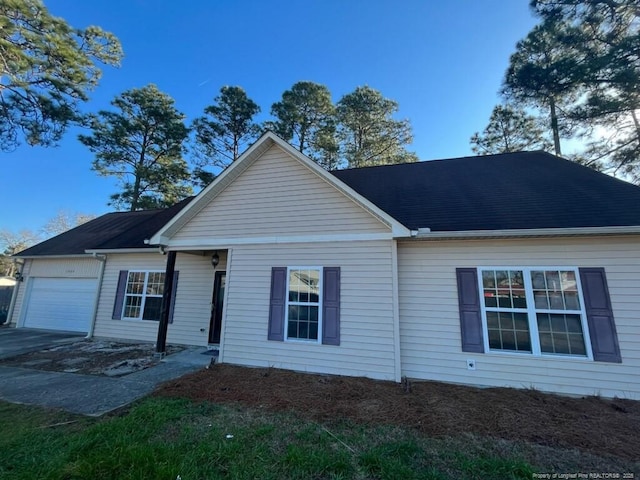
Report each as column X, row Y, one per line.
column 143, row 295
column 534, row 310
column 303, row 312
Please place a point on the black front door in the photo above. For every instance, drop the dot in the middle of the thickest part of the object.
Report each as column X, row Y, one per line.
column 219, row 284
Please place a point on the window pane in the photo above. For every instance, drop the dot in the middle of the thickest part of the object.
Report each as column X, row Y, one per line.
column 537, row 279
column 504, row 299
column 569, row 283
column 490, row 298
column 571, row 301
column 560, row 343
column 303, row 322
column 292, row 331
column 494, row 339
column 509, row 331
column 313, row 330
column 304, row 286
column 155, row 283
column 132, row 307
column 294, row 286
column 508, row 340
column 557, row 323
column 303, row 330
column 541, row 300
column 544, row 324
column 546, row 344
column 521, row 321
column 553, row 280
column 506, row 321
column 523, row 341
column 519, row 298
column 135, row 283
column 555, row 301
column 573, row 324
column 492, row 320
column 152, row 307
column 561, row 334
column 488, row 279
column 576, row 345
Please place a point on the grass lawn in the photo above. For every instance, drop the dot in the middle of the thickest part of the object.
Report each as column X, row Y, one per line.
column 169, row 438
column 163, row 438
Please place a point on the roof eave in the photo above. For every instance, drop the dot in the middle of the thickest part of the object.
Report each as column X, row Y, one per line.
column 70, row 255
column 529, row 233
column 121, row 250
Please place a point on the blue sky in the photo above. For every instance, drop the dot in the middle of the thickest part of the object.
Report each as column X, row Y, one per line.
column 442, row 61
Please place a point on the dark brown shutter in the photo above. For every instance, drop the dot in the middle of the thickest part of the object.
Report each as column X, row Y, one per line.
column 277, row 303
column 331, row 306
column 119, row 301
column 602, row 327
column 174, row 289
column 470, row 314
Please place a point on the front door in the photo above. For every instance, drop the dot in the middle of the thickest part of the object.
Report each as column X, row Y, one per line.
column 217, row 303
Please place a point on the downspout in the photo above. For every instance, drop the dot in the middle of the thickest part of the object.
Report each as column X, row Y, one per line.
column 14, row 294
column 103, row 260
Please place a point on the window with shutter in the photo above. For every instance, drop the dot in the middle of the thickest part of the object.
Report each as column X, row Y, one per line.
column 538, row 311
column 305, row 305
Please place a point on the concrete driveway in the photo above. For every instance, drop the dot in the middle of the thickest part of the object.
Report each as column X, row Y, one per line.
column 85, row 394
column 16, row 341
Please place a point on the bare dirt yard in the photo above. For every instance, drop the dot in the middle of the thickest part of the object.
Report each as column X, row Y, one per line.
column 91, row 357
column 602, row 427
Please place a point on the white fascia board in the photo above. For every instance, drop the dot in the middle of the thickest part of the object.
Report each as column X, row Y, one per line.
column 208, row 244
column 527, row 233
column 123, row 250
column 34, row 257
column 266, row 141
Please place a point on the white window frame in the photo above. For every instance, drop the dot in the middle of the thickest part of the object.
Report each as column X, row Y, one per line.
column 531, row 313
column 144, row 295
column 287, row 303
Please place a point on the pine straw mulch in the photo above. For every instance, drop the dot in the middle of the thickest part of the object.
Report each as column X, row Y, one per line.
column 590, row 424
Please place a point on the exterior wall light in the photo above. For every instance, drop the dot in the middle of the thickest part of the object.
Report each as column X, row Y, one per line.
column 215, row 260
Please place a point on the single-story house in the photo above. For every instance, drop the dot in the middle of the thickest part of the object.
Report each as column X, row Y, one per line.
column 518, row 270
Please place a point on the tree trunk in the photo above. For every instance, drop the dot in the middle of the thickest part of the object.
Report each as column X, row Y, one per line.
column 554, row 126
column 135, row 195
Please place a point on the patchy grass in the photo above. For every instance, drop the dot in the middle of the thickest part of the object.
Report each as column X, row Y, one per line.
column 169, row 438
column 163, row 438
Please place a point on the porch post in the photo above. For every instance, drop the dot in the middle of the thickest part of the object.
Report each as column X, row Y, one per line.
column 161, row 343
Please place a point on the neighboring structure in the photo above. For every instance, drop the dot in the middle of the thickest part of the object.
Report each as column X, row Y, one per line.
column 7, row 284
column 506, row 270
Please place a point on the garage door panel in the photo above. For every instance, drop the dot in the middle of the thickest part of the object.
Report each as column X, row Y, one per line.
column 60, row 304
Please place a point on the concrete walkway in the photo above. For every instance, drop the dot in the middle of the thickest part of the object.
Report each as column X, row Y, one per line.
column 90, row 394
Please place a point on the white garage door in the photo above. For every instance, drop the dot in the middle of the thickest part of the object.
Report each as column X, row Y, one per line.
column 61, row 304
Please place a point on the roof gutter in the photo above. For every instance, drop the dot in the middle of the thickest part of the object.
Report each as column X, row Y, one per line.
column 94, row 251
column 72, row 255
column 426, row 235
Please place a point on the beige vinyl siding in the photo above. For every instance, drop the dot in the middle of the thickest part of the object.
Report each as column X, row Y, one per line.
column 278, row 196
column 192, row 304
column 52, row 268
column 366, row 309
column 65, row 268
column 430, row 324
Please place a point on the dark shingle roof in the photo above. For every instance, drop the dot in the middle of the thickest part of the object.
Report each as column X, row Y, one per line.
column 110, row 231
column 523, row 190
column 494, row 192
